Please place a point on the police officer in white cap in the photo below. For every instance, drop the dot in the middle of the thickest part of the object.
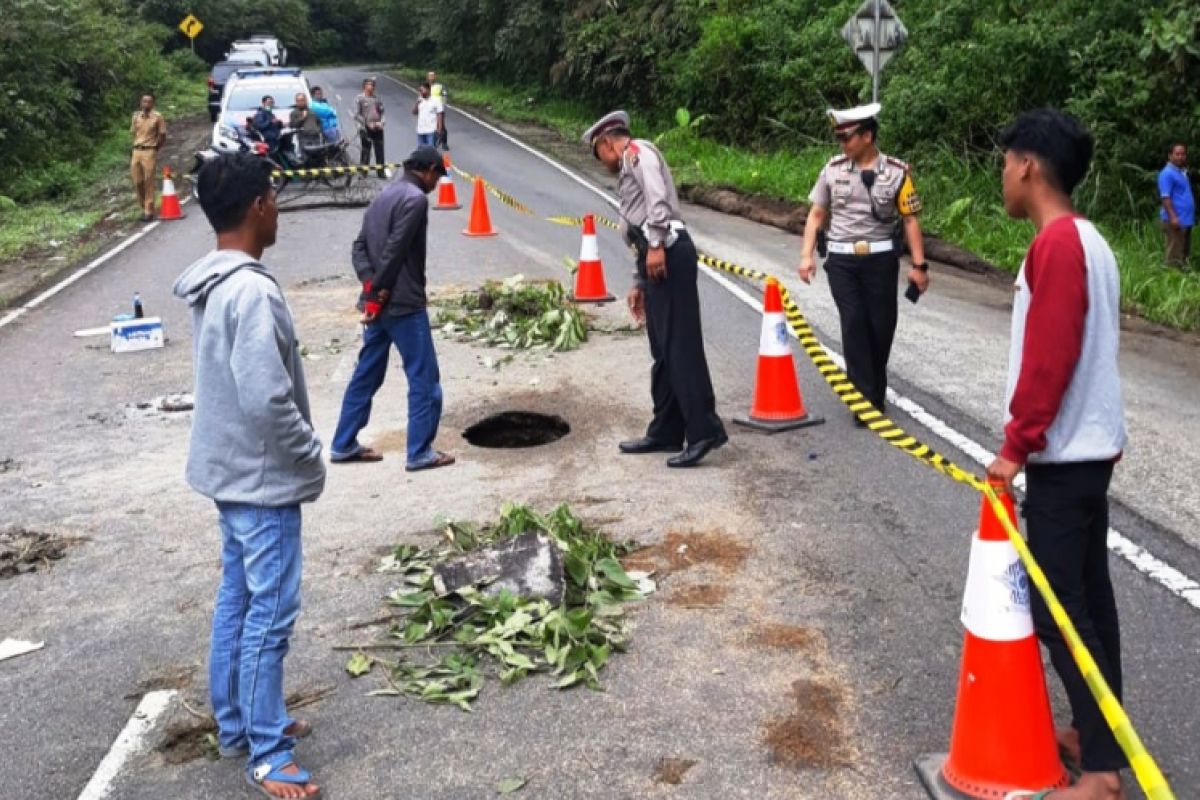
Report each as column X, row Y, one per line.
column 868, row 200
column 664, row 296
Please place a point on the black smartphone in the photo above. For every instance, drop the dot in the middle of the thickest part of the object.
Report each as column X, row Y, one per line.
column 912, row 293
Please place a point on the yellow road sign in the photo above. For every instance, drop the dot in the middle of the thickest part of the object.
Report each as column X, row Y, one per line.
column 191, row 26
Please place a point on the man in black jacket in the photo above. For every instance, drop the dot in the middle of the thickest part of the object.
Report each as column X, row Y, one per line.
column 389, row 258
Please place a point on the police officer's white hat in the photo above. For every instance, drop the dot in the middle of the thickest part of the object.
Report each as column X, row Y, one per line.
column 851, row 117
column 615, row 119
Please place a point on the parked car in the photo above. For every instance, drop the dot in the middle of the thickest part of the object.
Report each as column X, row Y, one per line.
column 252, row 58
column 216, row 83
column 274, row 46
column 246, row 44
column 243, row 95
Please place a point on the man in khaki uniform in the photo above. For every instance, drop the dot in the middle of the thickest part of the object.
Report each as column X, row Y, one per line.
column 868, row 199
column 149, row 131
column 664, row 296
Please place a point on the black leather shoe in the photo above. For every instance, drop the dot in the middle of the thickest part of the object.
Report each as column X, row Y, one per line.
column 694, row 453
column 647, row 445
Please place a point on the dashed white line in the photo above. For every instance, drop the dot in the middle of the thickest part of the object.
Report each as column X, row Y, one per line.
column 1154, row 568
column 130, row 741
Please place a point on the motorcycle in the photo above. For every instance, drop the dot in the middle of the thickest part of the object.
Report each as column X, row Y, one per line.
column 249, row 141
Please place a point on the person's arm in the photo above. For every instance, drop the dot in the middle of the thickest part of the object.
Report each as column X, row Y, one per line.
column 266, row 395
column 133, row 126
column 1056, row 272
column 359, row 119
column 908, row 204
column 818, row 214
column 1164, row 190
column 417, row 107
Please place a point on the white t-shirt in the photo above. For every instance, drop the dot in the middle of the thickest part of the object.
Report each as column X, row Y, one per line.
column 427, row 113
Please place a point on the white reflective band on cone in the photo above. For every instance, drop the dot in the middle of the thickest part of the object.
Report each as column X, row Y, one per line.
column 996, row 601
column 168, row 187
column 774, row 340
column 589, row 250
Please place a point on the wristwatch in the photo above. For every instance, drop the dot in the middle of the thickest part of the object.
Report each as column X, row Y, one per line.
column 922, row 266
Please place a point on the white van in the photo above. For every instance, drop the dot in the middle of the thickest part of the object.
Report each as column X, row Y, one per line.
column 273, row 46
column 254, row 47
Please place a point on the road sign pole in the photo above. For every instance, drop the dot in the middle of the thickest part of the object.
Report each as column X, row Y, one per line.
column 876, row 66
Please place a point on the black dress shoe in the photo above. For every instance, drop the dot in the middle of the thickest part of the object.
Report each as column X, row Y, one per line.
column 647, row 445
column 693, row 453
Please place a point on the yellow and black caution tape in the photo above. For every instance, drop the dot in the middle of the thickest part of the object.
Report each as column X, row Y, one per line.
column 329, row 172
column 1145, row 769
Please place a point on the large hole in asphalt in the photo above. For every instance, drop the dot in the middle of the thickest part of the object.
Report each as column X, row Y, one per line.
column 517, row 429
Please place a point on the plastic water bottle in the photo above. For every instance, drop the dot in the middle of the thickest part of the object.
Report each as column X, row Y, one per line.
column 138, row 313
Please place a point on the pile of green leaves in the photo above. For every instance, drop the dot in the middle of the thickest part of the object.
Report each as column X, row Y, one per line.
column 505, row 636
column 516, row 315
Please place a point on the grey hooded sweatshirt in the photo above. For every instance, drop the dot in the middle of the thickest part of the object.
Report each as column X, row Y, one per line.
column 252, row 436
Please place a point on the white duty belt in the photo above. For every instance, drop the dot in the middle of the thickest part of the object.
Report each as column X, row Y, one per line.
column 861, row 248
column 675, row 227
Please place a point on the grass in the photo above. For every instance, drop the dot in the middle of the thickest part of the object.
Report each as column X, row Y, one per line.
column 961, row 196
column 100, row 189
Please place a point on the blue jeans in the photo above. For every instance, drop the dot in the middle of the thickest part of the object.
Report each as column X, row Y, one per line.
column 426, row 139
column 414, row 341
column 257, row 606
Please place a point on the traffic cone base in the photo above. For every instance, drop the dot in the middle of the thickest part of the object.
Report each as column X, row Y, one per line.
column 589, row 277
column 480, row 222
column 170, row 209
column 1002, row 739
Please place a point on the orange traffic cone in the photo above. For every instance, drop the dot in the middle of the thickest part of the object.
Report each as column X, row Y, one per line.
column 1003, row 734
column 447, row 195
column 170, row 208
column 777, row 403
column 589, row 278
column 480, row 223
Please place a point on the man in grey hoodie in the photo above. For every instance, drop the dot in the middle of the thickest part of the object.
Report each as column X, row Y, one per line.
column 255, row 453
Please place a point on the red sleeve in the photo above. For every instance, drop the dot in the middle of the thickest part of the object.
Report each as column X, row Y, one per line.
column 1056, row 272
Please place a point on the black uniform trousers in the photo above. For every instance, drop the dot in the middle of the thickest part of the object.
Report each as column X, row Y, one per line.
column 1066, row 515
column 864, row 289
column 684, row 403
column 371, row 139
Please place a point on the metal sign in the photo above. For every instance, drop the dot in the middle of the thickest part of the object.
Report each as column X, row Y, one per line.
column 191, row 27
column 875, row 34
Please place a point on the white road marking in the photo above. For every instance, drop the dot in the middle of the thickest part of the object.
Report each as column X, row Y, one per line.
column 130, row 741
column 1154, row 568
column 21, row 310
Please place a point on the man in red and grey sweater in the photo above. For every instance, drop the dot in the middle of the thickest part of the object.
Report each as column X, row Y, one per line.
column 1066, row 421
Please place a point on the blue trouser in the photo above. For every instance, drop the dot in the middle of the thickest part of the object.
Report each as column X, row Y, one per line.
column 413, row 339
column 427, row 139
column 257, row 606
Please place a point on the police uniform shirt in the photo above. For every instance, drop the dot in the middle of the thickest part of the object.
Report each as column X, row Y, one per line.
column 840, row 189
column 647, row 191
column 147, row 129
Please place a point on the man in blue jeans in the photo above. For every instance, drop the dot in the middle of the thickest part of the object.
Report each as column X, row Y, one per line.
column 255, row 453
column 389, row 258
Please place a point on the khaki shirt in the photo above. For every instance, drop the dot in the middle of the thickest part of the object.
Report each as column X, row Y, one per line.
column 647, row 191
column 148, row 130
column 840, row 189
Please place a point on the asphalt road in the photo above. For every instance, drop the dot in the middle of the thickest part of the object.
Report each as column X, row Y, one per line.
column 851, row 539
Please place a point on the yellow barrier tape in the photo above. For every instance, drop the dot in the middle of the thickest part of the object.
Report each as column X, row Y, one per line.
column 1145, row 769
column 1148, row 775
column 328, row 172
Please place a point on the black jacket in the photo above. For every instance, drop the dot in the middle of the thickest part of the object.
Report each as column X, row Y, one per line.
column 390, row 248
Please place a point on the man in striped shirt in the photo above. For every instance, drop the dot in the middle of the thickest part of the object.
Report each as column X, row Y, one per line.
column 1066, row 423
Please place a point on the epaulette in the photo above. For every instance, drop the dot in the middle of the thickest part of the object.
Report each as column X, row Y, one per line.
column 895, row 162
column 838, row 160
column 632, row 153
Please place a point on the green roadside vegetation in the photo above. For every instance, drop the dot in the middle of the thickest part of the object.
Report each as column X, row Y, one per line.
column 961, row 196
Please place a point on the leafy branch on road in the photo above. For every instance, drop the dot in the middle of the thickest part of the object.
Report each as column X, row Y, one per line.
column 450, row 644
column 515, row 314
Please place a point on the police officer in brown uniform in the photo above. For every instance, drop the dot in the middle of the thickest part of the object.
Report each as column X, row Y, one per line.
column 867, row 199
column 664, row 296
column 149, row 132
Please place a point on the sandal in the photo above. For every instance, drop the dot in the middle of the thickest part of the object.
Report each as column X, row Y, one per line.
column 1023, row 794
column 439, row 459
column 272, row 769
column 364, row 454
column 298, row 729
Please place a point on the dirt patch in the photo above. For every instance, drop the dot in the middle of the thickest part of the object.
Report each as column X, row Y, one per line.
column 175, row 676
column 681, row 551
column 391, row 441
column 700, row 595
column 671, row 770
column 812, row 736
column 9, row 465
column 787, row 637
column 23, row 551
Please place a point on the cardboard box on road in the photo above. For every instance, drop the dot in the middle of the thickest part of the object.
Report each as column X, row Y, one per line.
column 131, row 335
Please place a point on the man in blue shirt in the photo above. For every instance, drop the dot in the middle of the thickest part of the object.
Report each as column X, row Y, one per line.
column 1178, row 206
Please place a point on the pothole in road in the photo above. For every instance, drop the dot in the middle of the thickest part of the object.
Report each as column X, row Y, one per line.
column 517, row 429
